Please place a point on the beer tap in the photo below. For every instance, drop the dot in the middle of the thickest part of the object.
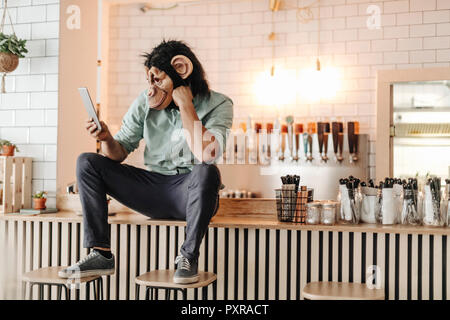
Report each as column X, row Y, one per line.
column 283, row 138
column 338, row 140
column 323, row 130
column 289, row 138
column 296, row 141
column 352, row 133
column 311, row 129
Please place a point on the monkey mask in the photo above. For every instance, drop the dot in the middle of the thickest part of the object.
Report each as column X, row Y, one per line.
column 164, row 76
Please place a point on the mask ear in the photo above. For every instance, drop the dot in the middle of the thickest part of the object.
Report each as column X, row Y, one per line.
column 182, row 65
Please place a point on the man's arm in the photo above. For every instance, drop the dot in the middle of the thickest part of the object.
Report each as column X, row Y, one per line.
column 110, row 147
column 182, row 97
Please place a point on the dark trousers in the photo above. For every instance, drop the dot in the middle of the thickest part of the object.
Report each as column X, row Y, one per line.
column 193, row 197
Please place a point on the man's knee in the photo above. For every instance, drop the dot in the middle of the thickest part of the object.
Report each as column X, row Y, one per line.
column 208, row 175
column 86, row 160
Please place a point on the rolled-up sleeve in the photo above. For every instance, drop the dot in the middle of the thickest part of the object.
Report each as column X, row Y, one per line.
column 219, row 122
column 132, row 128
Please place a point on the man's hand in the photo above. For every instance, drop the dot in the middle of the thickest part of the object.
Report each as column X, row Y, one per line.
column 102, row 135
column 182, row 96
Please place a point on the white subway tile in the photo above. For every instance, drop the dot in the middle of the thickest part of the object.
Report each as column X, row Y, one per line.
column 383, row 45
column 44, row 100
column 396, row 57
column 31, row 14
column 23, row 67
column 30, row 83
column 357, row 46
column 7, row 118
column 241, row 6
column 443, row 4
column 50, row 152
column 425, row 30
column 443, row 29
column 229, row 19
column 396, row 32
column 53, row 12
column 422, row 5
column 36, row 48
column 345, row 34
column 44, row 170
column 44, row 65
column 11, row 100
column 345, row 10
column 45, row 30
column 436, row 43
column 50, row 187
column 18, row 3
column 396, row 6
column 409, row 18
column 410, row 44
column 23, row 31
column 332, row 24
column 37, row 2
column 436, row 16
column 31, row 150
column 422, row 56
column 13, row 14
column 443, row 55
column 29, row 118
column 370, row 58
column 43, row 135
column 51, row 82
column 368, row 34
column 15, row 135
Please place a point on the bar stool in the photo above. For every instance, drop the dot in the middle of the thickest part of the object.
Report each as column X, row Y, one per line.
column 341, row 291
column 49, row 276
column 163, row 279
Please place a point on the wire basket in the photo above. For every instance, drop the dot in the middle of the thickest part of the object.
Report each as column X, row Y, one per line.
column 291, row 207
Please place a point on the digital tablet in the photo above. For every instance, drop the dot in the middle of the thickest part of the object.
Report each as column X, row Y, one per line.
column 89, row 106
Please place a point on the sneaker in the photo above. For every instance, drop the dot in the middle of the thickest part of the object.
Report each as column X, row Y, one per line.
column 186, row 270
column 94, row 264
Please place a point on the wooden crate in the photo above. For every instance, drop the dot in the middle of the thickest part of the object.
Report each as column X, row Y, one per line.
column 15, row 173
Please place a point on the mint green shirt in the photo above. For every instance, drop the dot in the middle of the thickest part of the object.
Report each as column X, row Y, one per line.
column 166, row 149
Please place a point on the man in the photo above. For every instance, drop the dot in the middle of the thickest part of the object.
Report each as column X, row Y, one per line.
column 184, row 125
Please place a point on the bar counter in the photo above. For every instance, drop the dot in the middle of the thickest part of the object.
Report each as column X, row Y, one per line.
column 254, row 255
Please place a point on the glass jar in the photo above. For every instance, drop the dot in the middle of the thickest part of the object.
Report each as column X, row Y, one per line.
column 328, row 213
column 313, row 212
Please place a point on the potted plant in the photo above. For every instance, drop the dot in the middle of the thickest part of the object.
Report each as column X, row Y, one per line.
column 8, row 148
column 11, row 49
column 39, row 199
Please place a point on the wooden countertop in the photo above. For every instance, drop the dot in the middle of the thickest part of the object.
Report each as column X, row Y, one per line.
column 253, row 220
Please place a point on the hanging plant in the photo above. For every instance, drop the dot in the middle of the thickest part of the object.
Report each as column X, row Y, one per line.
column 11, row 48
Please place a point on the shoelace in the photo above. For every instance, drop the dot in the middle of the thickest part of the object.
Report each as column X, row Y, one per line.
column 90, row 255
column 185, row 264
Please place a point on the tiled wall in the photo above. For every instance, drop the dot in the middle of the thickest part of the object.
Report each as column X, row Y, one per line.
column 230, row 38
column 29, row 109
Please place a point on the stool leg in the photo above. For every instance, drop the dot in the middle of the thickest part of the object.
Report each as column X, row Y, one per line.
column 136, row 294
column 147, row 293
column 41, row 292
column 67, row 293
column 94, row 286
column 88, row 290
column 184, row 294
column 167, row 294
column 59, row 292
column 101, row 288
column 30, row 286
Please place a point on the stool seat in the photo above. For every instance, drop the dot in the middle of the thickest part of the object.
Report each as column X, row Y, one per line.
column 49, row 275
column 164, row 279
column 341, row 291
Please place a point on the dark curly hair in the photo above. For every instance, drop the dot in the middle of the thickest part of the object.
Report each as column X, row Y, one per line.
column 161, row 56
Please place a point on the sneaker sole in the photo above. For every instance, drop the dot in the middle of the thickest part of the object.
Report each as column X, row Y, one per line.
column 186, row 280
column 82, row 274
